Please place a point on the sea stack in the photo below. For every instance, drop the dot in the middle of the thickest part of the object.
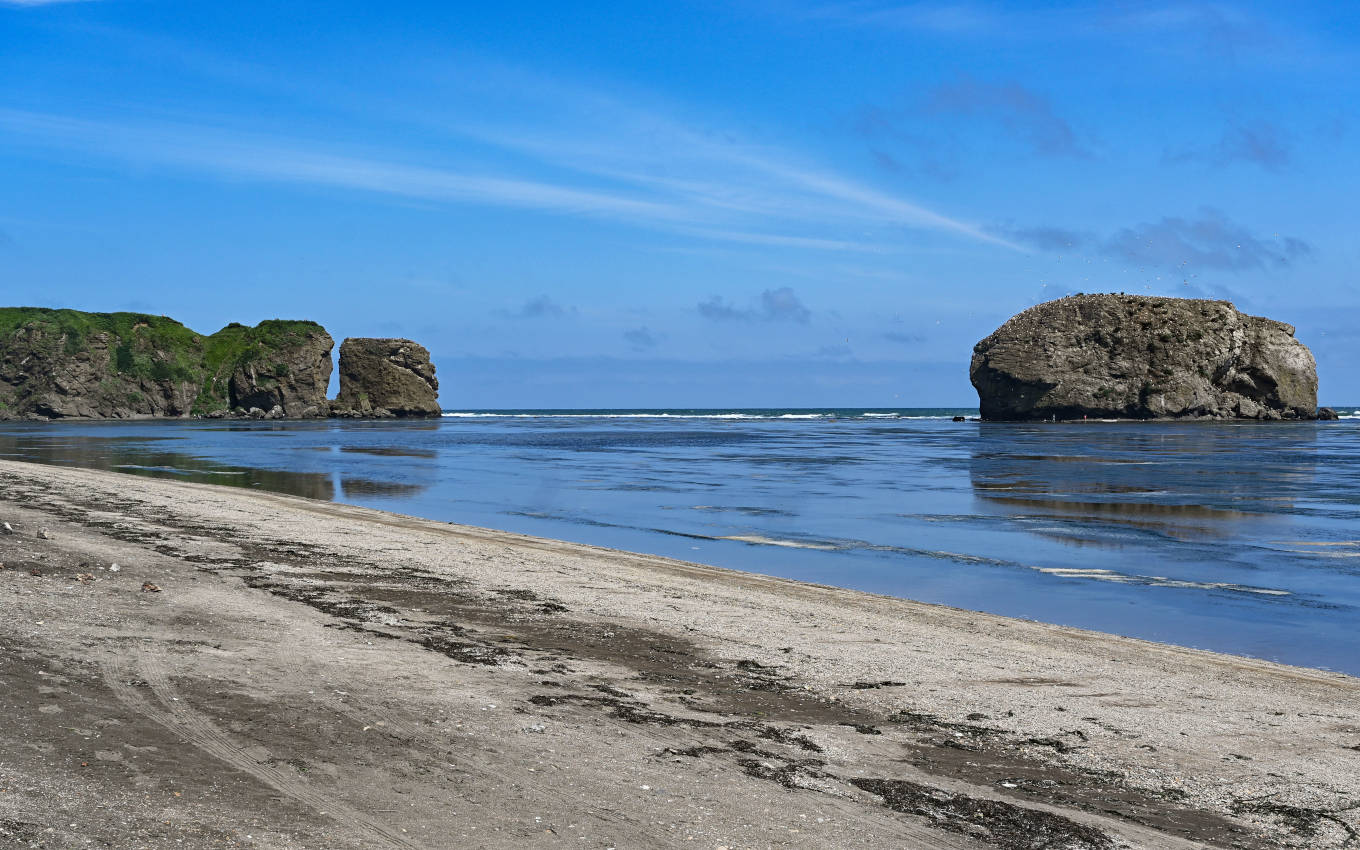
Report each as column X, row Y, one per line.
column 386, row 377
column 1141, row 357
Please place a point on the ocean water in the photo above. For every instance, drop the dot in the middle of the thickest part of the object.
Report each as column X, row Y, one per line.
column 1236, row 537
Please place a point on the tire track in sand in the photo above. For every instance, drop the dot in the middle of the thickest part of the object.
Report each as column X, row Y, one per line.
column 178, row 717
column 389, row 722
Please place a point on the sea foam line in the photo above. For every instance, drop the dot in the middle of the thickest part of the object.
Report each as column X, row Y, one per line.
column 1093, row 574
column 1158, row 581
column 750, row 416
column 771, row 541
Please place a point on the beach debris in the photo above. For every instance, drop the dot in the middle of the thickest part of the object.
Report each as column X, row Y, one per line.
column 535, row 728
column 43, row 534
column 113, row 568
column 993, row 821
column 1303, row 821
column 35, row 572
column 84, row 578
column 6, row 528
column 148, row 587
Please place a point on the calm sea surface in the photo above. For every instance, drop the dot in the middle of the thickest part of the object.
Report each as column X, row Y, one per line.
column 1241, row 538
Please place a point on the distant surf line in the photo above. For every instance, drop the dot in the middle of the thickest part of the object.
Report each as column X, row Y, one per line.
column 822, row 416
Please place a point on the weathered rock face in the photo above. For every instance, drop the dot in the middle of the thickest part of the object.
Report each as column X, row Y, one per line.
column 47, row 374
column 69, row 364
column 386, row 377
column 290, row 369
column 1126, row 356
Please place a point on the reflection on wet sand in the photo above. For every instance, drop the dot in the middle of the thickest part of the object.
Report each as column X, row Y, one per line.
column 1185, row 482
column 351, row 487
column 149, row 455
column 130, row 455
column 1173, row 520
column 390, row 451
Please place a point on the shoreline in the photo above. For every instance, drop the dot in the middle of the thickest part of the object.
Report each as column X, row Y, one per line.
column 645, row 699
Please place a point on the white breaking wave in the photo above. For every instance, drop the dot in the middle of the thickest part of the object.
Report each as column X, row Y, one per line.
column 633, row 416
column 1093, row 574
column 752, row 416
column 771, row 541
column 1158, row 581
column 176, row 470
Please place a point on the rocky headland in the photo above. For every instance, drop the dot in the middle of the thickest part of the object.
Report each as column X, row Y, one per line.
column 58, row 364
column 68, row 364
column 386, row 377
column 1142, row 357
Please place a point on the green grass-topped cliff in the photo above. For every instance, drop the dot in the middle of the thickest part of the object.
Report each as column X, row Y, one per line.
column 68, row 363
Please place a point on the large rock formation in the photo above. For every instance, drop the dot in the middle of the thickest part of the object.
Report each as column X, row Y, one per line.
column 69, row 364
column 1126, row 356
column 386, row 377
column 277, row 365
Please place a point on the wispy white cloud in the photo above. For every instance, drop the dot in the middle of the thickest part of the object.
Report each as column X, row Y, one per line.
column 539, row 143
column 712, row 168
column 886, row 207
column 779, row 241
column 943, row 17
column 253, row 157
column 39, row 2
column 637, row 144
column 719, row 191
column 1218, row 28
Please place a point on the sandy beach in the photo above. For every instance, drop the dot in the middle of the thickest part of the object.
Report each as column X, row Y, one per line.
column 268, row 671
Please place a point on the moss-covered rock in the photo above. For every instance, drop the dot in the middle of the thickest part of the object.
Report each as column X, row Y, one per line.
column 71, row 364
column 277, row 363
column 1139, row 357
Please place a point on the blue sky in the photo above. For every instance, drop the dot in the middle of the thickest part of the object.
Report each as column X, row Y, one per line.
column 743, row 203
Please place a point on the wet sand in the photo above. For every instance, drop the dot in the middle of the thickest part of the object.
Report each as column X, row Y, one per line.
column 268, row 671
